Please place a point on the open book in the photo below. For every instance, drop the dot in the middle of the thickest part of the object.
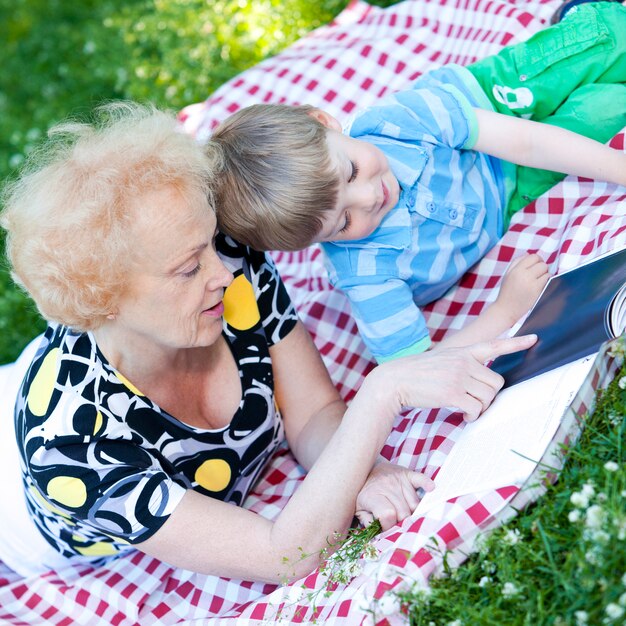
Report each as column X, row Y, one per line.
column 576, row 312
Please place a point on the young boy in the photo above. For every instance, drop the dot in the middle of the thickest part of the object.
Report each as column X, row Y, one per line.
column 422, row 185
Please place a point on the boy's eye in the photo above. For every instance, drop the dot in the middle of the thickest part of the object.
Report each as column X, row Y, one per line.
column 354, row 171
column 347, row 223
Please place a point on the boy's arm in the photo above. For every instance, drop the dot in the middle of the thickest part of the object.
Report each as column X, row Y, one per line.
column 521, row 286
column 548, row 147
column 389, row 322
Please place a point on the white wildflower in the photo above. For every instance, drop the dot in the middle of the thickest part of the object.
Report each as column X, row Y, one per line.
column 615, row 418
column 621, row 383
column 582, row 617
column 614, row 611
column 389, row 604
column 592, row 557
column 573, row 516
column 594, row 517
column 456, row 622
column 579, row 500
column 589, row 489
column 484, row 581
column 602, row 497
column 353, row 569
column 509, row 590
column 489, row 567
column 611, row 466
column 511, row 537
column 622, row 600
column 371, row 553
column 597, row 536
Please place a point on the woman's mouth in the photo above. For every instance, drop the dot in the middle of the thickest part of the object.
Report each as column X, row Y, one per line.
column 215, row 311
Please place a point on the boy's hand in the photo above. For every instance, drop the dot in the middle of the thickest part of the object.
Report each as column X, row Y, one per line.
column 521, row 286
column 390, row 494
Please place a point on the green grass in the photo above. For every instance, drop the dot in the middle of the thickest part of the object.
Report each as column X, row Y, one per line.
column 562, row 562
column 62, row 58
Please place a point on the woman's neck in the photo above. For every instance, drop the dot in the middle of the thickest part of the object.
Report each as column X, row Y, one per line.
column 141, row 359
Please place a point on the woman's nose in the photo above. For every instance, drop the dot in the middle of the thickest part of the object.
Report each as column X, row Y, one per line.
column 219, row 275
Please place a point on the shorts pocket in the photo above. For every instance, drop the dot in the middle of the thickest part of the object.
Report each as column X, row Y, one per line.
column 578, row 33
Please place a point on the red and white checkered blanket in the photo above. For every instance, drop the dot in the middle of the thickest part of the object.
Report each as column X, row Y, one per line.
column 364, row 53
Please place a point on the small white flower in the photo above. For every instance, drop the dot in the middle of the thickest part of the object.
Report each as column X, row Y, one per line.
column 489, row 567
column 389, row 604
column 512, row 537
column 509, row 590
column 353, row 569
column 456, row 622
column 624, row 579
column 579, row 500
column 484, row 581
column 573, row 516
column 594, row 516
column 621, row 383
column 371, row 553
column 602, row 497
column 592, row 557
column 622, row 600
column 597, row 536
column 614, row 611
column 582, row 617
column 589, row 489
column 611, row 466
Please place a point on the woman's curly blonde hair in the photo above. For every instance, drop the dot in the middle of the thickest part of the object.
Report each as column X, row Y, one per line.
column 69, row 213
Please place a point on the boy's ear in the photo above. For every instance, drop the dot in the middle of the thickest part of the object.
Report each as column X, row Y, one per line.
column 325, row 119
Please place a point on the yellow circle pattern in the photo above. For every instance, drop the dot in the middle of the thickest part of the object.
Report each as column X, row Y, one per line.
column 99, row 548
column 68, row 491
column 240, row 308
column 213, row 475
column 43, row 385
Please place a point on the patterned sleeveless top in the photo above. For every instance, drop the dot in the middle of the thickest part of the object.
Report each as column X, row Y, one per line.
column 104, row 466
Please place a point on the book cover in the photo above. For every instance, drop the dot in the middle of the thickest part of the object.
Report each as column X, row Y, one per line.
column 576, row 312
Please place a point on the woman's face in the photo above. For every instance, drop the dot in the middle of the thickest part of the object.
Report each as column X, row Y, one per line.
column 176, row 280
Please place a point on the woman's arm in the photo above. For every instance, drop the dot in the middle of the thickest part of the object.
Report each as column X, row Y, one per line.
column 209, row 536
column 548, row 147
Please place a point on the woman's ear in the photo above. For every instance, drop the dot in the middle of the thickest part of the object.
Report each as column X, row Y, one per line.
column 325, row 119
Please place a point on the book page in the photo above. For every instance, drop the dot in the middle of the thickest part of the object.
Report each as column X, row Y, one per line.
column 504, row 445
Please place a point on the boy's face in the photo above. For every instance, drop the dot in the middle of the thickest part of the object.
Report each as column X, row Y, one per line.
column 368, row 190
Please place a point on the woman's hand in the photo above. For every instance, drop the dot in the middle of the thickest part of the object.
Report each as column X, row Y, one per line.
column 389, row 494
column 443, row 377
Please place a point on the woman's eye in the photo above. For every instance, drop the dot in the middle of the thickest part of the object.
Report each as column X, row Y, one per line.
column 192, row 272
column 354, row 171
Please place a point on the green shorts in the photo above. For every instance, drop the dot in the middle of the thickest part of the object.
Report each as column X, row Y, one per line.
column 572, row 74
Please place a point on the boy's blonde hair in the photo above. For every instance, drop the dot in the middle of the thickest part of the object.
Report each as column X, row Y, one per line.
column 276, row 178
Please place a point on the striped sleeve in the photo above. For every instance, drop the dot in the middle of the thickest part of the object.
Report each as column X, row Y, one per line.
column 389, row 322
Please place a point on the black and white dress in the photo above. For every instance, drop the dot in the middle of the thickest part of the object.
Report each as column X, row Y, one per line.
column 104, row 466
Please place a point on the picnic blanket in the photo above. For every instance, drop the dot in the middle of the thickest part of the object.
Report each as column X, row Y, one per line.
column 363, row 54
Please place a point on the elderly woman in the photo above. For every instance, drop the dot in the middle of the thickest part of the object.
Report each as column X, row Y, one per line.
column 174, row 365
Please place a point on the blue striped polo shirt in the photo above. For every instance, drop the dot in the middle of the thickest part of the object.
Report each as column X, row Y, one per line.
column 449, row 214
